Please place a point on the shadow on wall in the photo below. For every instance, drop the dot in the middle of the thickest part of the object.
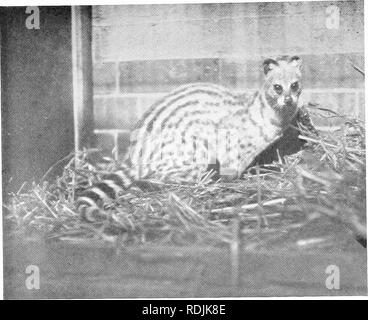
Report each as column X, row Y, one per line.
column 36, row 75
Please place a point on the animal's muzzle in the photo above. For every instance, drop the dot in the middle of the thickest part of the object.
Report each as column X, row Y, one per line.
column 288, row 100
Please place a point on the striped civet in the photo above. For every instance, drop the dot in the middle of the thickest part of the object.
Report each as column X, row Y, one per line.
column 198, row 125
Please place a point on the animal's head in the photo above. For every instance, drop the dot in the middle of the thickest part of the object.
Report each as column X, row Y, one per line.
column 283, row 86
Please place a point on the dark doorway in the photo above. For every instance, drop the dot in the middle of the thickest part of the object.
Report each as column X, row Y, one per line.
column 36, row 88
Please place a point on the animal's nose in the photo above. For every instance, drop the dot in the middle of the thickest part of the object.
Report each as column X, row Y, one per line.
column 288, row 99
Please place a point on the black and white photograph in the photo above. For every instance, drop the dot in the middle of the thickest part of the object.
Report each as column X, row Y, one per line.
column 183, row 150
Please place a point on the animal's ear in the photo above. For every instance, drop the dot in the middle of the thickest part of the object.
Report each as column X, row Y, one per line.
column 295, row 61
column 269, row 64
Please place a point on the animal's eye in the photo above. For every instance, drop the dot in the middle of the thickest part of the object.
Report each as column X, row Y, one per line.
column 294, row 86
column 277, row 88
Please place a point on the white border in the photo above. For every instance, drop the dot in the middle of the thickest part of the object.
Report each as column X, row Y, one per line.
column 13, row 3
column 120, row 2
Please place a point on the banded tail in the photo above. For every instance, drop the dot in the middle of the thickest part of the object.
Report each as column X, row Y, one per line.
column 110, row 188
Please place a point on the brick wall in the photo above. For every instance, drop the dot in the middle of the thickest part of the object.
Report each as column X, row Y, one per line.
column 142, row 52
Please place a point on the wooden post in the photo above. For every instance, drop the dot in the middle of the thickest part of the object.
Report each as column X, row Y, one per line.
column 82, row 76
column 2, row 162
